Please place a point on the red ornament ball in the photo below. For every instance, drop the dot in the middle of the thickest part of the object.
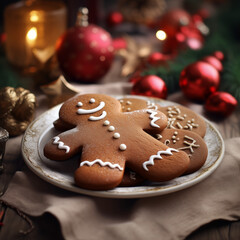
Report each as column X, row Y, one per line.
column 219, row 55
column 114, row 18
column 221, row 103
column 85, row 53
column 150, row 86
column 198, row 80
column 157, row 58
column 215, row 62
column 173, row 20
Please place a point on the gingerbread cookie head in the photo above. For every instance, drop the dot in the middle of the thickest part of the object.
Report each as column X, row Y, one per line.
column 85, row 108
column 108, row 139
column 132, row 104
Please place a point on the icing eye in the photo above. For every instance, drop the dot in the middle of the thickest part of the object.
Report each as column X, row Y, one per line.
column 79, row 104
column 92, row 100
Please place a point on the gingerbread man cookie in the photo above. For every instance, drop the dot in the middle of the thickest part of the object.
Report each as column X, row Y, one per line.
column 110, row 139
column 179, row 117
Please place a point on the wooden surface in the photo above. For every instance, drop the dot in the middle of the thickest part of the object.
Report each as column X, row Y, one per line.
column 18, row 226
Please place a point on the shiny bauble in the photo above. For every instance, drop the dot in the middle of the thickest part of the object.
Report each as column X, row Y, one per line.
column 158, row 58
column 173, row 20
column 215, row 62
column 221, row 104
column 198, row 80
column 150, row 86
column 85, row 53
column 114, row 18
column 219, row 55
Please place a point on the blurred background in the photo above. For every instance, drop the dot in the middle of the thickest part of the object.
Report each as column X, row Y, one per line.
column 100, row 41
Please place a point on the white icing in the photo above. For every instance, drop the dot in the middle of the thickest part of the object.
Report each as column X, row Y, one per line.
column 179, row 125
column 116, row 135
column 111, row 128
column 102, row 164
column 79, row 104
column 154, row 119
column 93, row 110
column 106, row 123
column 103, row 115
column 190, row 145
column 152, row 105
column 158, row 156
column 122, row 147
column 60, row 144
column 158, row 136
column 92, row 100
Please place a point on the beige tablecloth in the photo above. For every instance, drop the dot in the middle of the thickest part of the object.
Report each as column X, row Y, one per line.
column 172, row 216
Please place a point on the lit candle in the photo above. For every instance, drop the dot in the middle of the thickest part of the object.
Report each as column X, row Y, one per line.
column 32, row 29
column 31, row 36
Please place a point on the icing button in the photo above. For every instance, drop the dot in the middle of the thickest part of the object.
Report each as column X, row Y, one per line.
column 111, row 128
column 116, row 135
column 106, row 123
column 122, row 147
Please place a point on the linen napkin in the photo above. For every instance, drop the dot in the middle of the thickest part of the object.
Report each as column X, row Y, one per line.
column 172, row 216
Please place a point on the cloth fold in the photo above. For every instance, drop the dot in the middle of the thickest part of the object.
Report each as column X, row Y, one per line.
column 171, row 216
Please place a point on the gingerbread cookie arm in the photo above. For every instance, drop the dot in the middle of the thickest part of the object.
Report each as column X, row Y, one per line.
column 60, row 125
column 149, row 119
column 63, row 146
column 100, row 170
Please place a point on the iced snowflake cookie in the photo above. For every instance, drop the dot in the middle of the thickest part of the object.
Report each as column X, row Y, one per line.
column 110, row 139
column 190, row 142
column 179, row 117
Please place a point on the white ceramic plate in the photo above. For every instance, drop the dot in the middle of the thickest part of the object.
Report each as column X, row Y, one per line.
column 61, row 173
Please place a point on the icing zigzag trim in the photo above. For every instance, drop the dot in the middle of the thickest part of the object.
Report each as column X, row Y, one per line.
column 60, row 144
column 102, row 164
column 158, row 156
column 154, row 119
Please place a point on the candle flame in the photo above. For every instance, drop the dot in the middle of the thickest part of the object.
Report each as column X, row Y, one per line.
column 161, row 35
column 34, row 16
column 32, row 34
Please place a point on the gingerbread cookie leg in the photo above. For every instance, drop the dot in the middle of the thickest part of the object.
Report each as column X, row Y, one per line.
column 98, row 170
column 155, row 161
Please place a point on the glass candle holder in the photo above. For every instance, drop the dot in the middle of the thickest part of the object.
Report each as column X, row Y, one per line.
column 3, row 139
column 32, row 28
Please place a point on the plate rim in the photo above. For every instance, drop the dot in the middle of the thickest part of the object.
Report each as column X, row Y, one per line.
column 112, row 193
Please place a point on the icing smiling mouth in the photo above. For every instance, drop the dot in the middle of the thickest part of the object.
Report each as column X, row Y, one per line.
column 93, row 110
